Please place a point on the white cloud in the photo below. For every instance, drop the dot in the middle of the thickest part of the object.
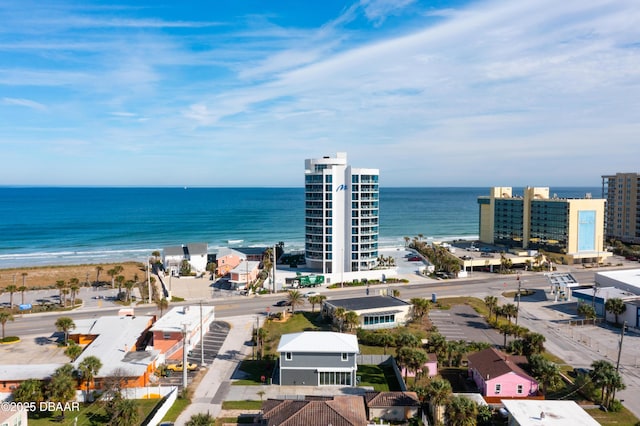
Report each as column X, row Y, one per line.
column 25, row 103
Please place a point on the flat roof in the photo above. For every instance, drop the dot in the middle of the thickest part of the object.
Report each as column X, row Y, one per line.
column 115, row 344
column 246, row 265
column 318, row 342
column 17, row 372
column 175, row 319
column 605, row 293
column 548, row 413
column 562, row 279
column 627, row 276
column 367, row 302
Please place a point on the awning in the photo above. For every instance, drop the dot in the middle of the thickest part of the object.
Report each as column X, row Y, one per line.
column 376, row 314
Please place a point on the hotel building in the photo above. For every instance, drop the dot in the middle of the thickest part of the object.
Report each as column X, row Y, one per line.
column 534, row 221
column 341, row 215
column 622, row 192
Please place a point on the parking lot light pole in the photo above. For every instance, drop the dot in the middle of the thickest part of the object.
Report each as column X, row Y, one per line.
column 184, row 356
column 518, row 302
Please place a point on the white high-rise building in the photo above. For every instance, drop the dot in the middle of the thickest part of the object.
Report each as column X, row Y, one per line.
column 341, row 215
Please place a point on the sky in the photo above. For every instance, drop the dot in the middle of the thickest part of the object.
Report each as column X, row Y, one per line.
column 241, row 92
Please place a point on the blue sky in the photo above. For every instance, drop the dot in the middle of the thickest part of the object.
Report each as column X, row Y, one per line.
column 240, row 92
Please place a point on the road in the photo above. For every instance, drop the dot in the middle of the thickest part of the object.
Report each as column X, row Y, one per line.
column 534, row 315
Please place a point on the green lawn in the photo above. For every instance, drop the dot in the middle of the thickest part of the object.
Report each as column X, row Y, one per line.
column 623, row 418
column 92, row 414
column 241, row 405
column 373, row 375
column 178, row 407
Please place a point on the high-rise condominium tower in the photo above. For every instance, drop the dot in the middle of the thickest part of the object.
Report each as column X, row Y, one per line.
column 622, row 192
column 341, row 215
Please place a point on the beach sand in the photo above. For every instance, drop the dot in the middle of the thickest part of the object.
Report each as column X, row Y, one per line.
column 46, row 276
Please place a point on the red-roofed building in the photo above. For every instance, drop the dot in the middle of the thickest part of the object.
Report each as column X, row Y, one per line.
column 498, row 375
column 335, row 411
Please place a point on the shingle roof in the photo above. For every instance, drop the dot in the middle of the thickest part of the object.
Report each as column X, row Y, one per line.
column 197, row 248
column 339, row 411
column 318, row 342
column 392, row 399
column 491, row 363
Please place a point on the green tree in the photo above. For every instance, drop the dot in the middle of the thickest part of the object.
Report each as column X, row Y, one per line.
column 438, row 392
column 201, row 419
column 89, row 367
column 316, row 300
column 547, row 373
column 30, row 390
column 98, row 270
column 74, row 287
column 61, row 285
column 351, row 320
column 22, row 290
column 73, row 351
column 587, row 311
column 407, row 339
column 4, row 317
column 420, row 307
column 507, row 329
column 510, row 311
column 124, row 412
column 65, row 324
column 411, row 359
column 386, row 339
column 533, row 343
column 185, row 268
column 461, row 411
column 605, row 376
column 120, row 279
column 492, row 304
column 11, row 289
column 129, row 285
column 61, row 387
column 615, row 306
column 339, row 316
column 295, row 299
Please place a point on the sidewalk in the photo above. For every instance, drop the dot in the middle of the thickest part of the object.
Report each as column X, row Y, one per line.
column 215, row 385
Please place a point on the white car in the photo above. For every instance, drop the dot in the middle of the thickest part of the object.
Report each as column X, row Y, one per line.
column 311, row 293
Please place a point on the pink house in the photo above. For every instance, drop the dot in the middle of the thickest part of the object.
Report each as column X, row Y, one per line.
column 498, row 376
column 227, row 259
column 430, row 367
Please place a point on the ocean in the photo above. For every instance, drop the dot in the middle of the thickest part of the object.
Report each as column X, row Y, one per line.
column 78, row 225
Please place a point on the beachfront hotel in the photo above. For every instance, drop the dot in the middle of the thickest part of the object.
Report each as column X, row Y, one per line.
column 535, row 221
column 341, row 215
column 622, row 192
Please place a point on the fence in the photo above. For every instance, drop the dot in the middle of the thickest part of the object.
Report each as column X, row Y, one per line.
column 162, row 408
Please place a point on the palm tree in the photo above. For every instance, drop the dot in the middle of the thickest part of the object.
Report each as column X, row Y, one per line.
column 89, row 367
column 60, row 285
column 438, row 391
column 492, row 304
column 533, row 343
column 4, row 317
column 61, row 387
column 339, row 316
column 461, row 411
column 22, row 289
column 73, row 351
column 510, row 311
column 125, row 412
column 129, row 287
column 386, row 339
column 98, row 270
column 30, row 390
column 11, row 289
column 316, row 300
column 294, row 297
column 65, row 324
column 201, row 419
column 162, row 304
column 605, row 376
column 351, row 320
column 261, row 335
column 420, row 307
column 74, row 286
column 120, row 280
column 407, row 339
column 587, row 311
column 546, row 372
column 615, row 306
column 507, row 330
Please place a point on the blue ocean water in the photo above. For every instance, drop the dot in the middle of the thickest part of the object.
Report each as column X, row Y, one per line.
column 45, row 226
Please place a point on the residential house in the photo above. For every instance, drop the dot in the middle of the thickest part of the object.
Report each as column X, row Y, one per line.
column 374, row 312
column 344, row 410
column 13, row 416
column 392, row 406
column 498, row 375
column 318, row 358
column 227, row 259
column 430, row 368
column 169, row 331
column 194, row 253
column 245, row 273
column 546, row 412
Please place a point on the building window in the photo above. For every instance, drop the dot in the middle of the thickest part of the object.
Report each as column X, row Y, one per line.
column 288, row 356
column 519, row 389
column 166, row 336
column 345, row 356
column 498, row 388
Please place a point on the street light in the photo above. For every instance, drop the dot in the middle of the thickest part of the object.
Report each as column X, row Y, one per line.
column 518, row 302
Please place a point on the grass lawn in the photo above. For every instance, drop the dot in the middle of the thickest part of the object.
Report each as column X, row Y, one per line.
column 256, row 369
column 623, row 418
column 241, row 405
column 90, row 414
column 477, row 304
column 373, row 375
column 178, row 407
column 300, row 321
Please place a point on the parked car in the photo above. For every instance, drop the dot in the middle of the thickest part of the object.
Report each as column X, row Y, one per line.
column 414, row 259
column 179, row 367
column 311, row 293
column 282, row 303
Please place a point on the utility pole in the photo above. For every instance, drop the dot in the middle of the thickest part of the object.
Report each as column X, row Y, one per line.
column 148, row 281
column 184, row 356
column 201, row 337
column 518, row 302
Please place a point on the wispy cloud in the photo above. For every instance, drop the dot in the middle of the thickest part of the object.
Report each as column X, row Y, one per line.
column 24, row 103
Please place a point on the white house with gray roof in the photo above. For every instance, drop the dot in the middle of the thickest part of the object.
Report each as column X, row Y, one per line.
column 318, row 358
column 194, row 253
column 374, row 312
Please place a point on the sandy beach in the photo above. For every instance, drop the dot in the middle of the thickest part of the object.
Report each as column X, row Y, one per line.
column 47, row 276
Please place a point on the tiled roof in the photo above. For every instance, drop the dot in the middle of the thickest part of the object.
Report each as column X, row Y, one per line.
column 491, row 363
column 392, row 399
column 339, row 411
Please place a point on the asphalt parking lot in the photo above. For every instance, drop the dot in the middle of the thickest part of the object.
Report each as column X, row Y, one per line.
column 212, row 342
column 461, row 322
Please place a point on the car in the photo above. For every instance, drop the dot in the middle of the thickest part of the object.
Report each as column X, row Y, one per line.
column 282, row 303
column 311, row 293
column 581, row 372
column 414, row 259
column 178, row 367
column 466, row 257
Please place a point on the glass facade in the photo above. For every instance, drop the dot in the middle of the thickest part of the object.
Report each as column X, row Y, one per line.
column 508, row 220
column 334, row 378
column 549, row 223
